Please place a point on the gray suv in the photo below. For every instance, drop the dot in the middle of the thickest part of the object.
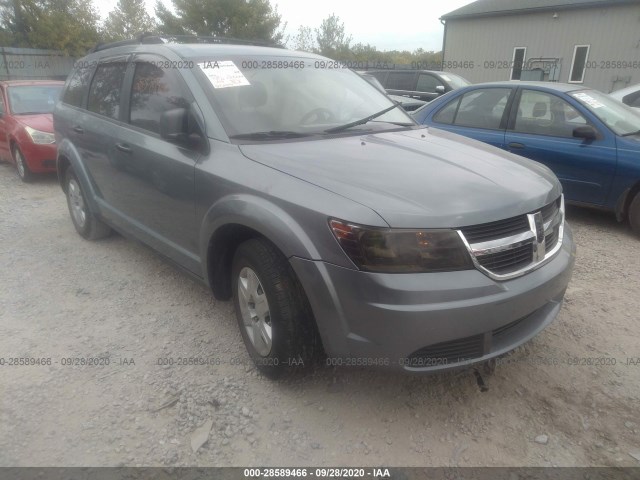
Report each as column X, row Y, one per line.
column 286, row 182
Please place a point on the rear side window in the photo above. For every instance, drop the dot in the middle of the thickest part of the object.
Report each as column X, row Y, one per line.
column 155, row 90
column 482, row 108
column 77, row 87
column 400, row 80
column 104, row 95
column 633, row 99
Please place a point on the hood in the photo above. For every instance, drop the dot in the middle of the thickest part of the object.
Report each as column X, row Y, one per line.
column 41, row 121
column 421, row 178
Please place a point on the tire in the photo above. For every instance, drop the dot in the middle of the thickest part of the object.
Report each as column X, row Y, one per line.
column 85, row 222
column 634, row 214
column 22, row 168
column 272, row 310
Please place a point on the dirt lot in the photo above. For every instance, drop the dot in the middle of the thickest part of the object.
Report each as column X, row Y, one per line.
column 63, row 297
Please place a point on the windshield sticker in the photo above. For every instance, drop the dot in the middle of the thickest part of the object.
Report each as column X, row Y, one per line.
column 445, row 78
column 588, row 99
column 223, row 74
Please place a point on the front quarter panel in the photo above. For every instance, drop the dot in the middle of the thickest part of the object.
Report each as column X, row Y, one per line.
column 291, row 213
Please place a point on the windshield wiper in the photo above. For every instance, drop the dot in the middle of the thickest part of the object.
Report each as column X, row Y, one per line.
column 270, row 135
column 637, row 132
column 363, row 121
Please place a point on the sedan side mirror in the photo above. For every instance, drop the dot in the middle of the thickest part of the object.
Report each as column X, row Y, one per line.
column 174, row 124
column 440, row 89
column 587, row 132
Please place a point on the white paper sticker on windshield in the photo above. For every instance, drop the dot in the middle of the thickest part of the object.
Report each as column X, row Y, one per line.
column 588, row 99
column 223, row 74
column 445, row 78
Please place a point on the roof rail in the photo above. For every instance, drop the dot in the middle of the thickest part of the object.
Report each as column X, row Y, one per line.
column 151, row 38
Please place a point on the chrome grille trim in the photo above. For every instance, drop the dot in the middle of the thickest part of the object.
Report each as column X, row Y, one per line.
column 536, row 236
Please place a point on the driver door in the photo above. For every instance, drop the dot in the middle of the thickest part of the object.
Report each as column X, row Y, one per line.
column 541, row 128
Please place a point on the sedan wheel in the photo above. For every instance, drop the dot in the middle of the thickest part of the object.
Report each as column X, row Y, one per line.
column 21, row 166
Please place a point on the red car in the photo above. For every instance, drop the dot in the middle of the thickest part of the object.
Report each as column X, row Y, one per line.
column 26, row 125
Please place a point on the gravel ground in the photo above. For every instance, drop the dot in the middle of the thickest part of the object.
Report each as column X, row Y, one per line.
column 63, row 297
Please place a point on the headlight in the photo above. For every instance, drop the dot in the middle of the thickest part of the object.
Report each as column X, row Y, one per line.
column 392, row 250
column 40, row 137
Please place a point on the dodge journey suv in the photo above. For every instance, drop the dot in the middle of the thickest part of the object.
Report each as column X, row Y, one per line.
column 339, row 227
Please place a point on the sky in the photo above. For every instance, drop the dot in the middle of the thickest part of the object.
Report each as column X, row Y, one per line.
column 400, row 25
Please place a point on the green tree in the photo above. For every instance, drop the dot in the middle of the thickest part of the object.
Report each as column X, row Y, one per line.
column 128, row 19
column 304, row 40
column 245, row 19
column 331, row 37
column 67, row 25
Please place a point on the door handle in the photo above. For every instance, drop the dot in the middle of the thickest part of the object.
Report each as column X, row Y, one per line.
column 78, row 129
column 123, row 147
column 516, row 145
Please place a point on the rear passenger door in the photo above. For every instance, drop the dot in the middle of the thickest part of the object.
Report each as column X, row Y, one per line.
column 95, row 132
column 401, row 82
column 155, row 188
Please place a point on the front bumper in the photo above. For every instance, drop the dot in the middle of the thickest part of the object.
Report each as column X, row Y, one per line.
column 431, row 321
column 40, row 158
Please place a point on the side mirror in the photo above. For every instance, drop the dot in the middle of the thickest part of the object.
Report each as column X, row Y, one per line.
column 587, row 132
column 174, row 124
column 440, row 89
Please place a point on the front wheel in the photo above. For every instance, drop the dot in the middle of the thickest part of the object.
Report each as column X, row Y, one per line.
column 21, row 166
column 85, row 222
column 272, row 310
column 634, row 214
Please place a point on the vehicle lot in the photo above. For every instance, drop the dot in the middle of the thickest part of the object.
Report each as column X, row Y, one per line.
column 62, row 297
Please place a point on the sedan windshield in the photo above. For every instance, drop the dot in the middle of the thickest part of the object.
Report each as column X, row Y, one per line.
column 615, row 115
column 287, row 97
column 33, row 99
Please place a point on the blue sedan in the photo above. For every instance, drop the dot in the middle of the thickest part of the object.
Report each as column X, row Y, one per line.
column 590, row 141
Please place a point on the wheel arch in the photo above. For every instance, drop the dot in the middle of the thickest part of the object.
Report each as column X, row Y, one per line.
column 238, row 218
column 68, row 156
column 624, row 201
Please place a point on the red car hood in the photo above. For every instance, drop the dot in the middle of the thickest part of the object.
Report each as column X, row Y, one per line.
column 41, row 121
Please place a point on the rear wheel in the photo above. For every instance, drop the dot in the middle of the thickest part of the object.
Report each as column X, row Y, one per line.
column 21, row 166
column 85, row 222
column 272, row 310
column 634, row 214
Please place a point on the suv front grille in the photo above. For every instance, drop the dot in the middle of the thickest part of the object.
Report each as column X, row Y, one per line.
column 494, row 230
column 509, row 248
column 509, row 260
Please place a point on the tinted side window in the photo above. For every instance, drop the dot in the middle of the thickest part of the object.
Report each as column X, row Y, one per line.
column 482, row 108
column 154, row 91
column 447, row 114
column 77, row 86
column 400, row 80
column 428, row 83
column 104, row 94
column 633, row 99
column 542, row 113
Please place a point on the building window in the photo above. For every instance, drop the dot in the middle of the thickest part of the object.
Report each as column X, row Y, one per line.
column 517, row 63
column 580, row 56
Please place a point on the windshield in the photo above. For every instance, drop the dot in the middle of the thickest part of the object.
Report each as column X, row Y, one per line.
column 33, row 99
column 294, row 96
column 456, row 81
column 615, row 115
